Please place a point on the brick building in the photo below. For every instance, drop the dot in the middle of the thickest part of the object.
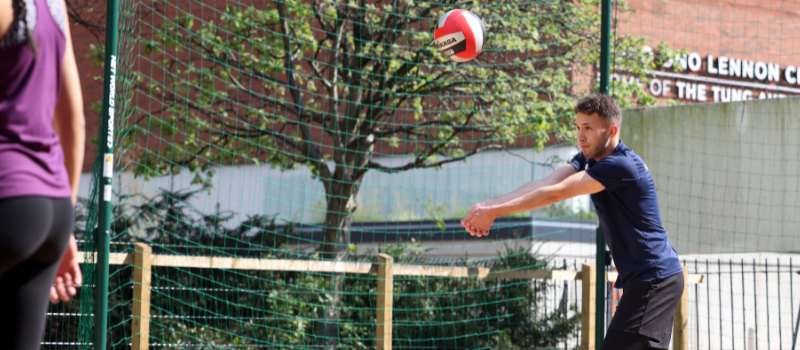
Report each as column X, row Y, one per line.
column 736, row 49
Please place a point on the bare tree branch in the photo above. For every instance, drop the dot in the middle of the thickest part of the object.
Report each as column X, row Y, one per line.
column 419, row 163
column 310, row 150
column 77, row 10
column 409, row 128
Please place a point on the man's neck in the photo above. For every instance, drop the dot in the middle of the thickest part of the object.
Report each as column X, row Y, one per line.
column 610, row 147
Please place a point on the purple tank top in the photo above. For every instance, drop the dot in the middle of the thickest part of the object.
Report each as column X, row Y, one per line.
column 31, row 159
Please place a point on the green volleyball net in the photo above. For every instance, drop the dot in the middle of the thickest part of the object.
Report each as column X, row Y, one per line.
column 306, row 138
column 268, row 152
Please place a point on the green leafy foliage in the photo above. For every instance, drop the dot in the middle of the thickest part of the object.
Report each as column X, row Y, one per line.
column 217, row 308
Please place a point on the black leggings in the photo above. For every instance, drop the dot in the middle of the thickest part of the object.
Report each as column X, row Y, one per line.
column 618, row 340
column 34, row 232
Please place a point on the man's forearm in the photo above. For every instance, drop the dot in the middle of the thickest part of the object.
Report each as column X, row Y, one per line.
column 555, row 177
column 536, row 198
column 516, row 193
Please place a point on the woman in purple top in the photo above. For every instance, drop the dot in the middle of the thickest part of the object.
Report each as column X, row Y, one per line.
column 41, row 155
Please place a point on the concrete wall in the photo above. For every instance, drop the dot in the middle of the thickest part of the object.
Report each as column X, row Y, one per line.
column 727, row 175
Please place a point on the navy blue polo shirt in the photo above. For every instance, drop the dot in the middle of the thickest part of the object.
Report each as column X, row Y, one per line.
column 629, row 216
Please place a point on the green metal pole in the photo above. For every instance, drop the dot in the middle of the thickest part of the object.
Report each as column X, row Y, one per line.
column 106, row 143
column 605, row 48
column 600, row 292
column 605, row 88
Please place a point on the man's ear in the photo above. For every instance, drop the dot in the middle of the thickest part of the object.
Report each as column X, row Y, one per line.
column 614, row 129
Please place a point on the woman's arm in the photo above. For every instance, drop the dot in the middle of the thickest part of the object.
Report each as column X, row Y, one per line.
column 70, row 121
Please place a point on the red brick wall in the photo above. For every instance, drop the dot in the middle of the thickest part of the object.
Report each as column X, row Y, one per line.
column 92, row 88
column 763, row 30
column 747, row 30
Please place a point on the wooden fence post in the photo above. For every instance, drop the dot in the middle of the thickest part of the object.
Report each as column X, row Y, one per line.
column 384, row 302
column 140, row 332
column 681, row 325
column 588, row 302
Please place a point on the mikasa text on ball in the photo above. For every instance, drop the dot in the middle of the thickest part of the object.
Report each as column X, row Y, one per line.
column 459, row 35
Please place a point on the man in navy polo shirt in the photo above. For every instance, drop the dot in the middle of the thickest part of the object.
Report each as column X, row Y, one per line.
column 624, row 195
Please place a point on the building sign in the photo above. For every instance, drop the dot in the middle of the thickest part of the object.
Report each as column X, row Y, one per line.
column 721, row 79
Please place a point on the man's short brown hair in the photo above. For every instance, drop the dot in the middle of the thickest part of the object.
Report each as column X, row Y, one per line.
column 603, row 105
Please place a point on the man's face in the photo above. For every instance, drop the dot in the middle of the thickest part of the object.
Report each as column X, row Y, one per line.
column 594, row 134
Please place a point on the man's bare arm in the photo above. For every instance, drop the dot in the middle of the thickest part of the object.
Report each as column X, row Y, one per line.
column 579, row 183
column 555, row 177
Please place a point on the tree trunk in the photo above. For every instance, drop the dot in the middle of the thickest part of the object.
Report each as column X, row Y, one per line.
column 340, row 195
column 340, row 198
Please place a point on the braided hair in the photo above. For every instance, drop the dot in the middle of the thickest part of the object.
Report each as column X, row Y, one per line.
column 19, row 31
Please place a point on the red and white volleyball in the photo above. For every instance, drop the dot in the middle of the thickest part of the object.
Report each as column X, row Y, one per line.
column 459, row 35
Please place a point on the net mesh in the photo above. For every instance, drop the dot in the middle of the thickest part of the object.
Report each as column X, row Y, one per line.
column 275, row 130
column 331, row 131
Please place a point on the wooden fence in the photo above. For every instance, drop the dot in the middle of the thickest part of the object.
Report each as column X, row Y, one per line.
column 384, row 269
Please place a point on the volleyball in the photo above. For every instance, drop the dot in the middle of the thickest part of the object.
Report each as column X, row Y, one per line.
column 459, row 35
